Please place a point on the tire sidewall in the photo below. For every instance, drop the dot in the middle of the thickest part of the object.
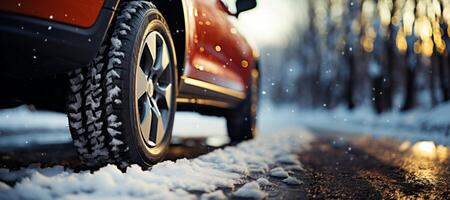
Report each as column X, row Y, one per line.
column 139, row 151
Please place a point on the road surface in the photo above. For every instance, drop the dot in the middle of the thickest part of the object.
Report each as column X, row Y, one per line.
column 336, row 165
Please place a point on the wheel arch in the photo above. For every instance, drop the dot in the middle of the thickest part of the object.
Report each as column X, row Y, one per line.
column 174, row 12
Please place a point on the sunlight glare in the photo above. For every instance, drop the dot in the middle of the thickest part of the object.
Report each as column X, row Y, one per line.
column 272, row 21
column 425, row 149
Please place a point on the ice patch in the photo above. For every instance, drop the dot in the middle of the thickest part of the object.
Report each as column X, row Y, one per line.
column 250, row 190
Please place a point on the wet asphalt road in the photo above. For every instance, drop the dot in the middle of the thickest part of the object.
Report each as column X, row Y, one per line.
column 337, row 166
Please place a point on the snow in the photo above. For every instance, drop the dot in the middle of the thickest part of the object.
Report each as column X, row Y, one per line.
column 123, row 32
column 292, row 181
column 374, row 69
column 30, row 129
column 113, row 132
column 298, row 167
column 31, row 119
column 116, row 142
column 288, row 159
column 125, row 26
column 113, row 73
column 414, row 126
column 279, row 172
column 21, row 127
column 216, row 195
column 251, row 190
column 8, row 175
column 116, row 43
column 4, row 186
column 263, row 182
column 222, row 168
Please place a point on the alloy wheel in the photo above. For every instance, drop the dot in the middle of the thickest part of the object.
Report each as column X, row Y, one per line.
column 154, row 89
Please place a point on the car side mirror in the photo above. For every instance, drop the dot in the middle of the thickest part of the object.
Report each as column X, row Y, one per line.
column 244, row 5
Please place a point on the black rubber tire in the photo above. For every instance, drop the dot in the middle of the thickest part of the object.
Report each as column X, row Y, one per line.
column 101, row 103
column 241, row 121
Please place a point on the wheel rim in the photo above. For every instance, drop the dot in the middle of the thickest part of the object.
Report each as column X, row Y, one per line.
column 154, row 89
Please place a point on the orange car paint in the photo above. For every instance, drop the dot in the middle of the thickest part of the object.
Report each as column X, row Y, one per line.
column 81, row 13
column 216, row 52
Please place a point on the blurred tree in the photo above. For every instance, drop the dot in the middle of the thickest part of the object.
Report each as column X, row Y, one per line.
column 391, row 54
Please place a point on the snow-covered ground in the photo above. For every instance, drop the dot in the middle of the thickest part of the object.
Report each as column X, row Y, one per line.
column 269, row 155
column 417, row 125
column 243, row 168
column 247, row 163
column 21, row 127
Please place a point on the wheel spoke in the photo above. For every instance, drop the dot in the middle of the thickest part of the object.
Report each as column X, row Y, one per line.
column 165, row 93
column 158, row 129
column 146, row 119
column 150, row 41
column 162, row 59
column 165, row 58
column 158, row 70
column 141, row 82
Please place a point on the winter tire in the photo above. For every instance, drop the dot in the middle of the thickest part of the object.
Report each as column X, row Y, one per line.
column 241, row 121
column 121, row 108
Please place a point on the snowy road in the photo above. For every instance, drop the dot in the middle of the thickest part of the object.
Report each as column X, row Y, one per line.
column 296, row 164
column 239, row 171
column 282, row 163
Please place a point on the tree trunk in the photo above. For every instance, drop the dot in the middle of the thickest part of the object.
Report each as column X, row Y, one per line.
column 388, row 85
column 349, row 89
column 431, row 79
column 444, row 77
column 410, row 98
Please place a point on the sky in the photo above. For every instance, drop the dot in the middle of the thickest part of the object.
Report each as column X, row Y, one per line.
column 272, row 21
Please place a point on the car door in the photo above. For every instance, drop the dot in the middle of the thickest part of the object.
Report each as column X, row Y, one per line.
column 216, row 52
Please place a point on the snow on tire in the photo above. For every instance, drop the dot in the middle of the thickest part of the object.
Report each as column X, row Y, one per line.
column 99, row 97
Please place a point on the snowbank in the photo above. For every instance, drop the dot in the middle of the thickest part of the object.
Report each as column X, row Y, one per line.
column 415, row 125
column 209, row 173
column 21, row 118
column 22, row 127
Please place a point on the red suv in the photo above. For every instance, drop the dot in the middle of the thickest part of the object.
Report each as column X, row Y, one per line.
column 120, row 69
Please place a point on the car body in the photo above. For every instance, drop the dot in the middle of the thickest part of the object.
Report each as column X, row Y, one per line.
column 120, row 69
column 43, row 40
